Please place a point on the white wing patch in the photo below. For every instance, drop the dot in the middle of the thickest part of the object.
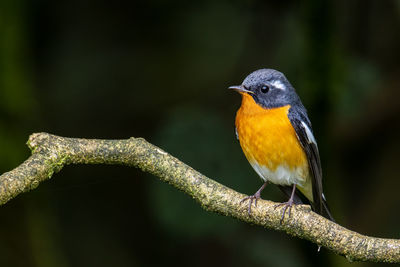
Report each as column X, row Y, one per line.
column 310, row 136
column 278, row 84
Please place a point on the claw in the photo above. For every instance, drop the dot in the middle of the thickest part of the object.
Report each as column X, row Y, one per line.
column 288, row 205
column 254, row 198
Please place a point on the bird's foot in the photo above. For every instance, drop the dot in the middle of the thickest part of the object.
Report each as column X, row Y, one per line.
column 251, row 198
column 287, row 207
column 254, row 198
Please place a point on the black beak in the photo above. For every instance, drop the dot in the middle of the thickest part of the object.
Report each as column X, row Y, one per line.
column 240, row 88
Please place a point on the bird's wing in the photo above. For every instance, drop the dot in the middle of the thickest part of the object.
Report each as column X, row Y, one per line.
column 302, row 126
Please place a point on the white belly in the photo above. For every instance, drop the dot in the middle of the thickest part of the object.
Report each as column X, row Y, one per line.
column 282, row 175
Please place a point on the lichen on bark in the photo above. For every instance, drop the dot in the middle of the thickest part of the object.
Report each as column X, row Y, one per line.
column 50, row 153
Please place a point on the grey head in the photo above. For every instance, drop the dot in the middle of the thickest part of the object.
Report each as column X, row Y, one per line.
column 269, row 88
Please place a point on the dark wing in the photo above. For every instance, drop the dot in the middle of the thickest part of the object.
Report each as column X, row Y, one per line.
column 302, row 125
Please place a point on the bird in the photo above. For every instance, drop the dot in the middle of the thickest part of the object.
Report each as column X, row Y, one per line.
column 277, row 139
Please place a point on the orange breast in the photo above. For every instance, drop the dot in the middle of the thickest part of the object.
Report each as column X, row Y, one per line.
column 267, row 136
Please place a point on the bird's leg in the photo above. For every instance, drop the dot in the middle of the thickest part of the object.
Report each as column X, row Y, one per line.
column 254, row 197
column 287, row 204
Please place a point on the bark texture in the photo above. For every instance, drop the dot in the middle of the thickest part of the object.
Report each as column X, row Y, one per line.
column 50, row 153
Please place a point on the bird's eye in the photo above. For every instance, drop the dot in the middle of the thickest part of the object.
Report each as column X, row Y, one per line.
column 265, row 89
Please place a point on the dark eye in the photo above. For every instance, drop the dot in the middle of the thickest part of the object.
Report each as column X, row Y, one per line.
column 265, row 89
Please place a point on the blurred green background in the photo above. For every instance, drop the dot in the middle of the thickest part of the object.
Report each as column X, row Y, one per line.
column 160, row 70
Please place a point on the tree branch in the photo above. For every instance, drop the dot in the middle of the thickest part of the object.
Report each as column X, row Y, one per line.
column 50, row 153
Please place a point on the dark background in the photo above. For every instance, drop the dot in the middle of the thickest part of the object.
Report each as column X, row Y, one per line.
column 160, row 70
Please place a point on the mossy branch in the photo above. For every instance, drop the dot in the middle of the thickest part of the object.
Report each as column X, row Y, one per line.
column 50, row 153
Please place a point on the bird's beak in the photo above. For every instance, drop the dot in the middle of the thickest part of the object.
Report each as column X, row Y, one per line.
column 240, row 89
